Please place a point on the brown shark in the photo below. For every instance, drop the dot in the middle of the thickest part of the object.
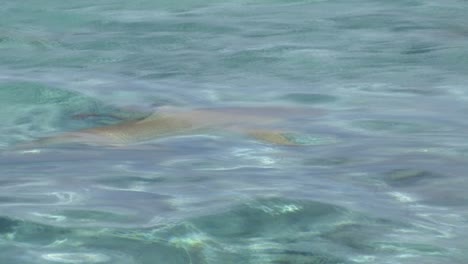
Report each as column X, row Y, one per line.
column 262, row 123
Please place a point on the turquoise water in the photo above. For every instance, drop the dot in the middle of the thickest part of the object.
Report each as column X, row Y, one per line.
column 380, row 176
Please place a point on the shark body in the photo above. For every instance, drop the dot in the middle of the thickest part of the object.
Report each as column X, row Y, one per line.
column 262, row 123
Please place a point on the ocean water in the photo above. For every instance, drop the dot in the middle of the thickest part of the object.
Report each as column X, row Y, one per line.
column 378, row 177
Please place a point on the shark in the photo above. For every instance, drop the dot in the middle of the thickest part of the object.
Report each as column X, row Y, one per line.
column 264, row 123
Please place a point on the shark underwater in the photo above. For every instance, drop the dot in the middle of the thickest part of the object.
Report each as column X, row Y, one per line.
column 263, row 123
column 107, row 125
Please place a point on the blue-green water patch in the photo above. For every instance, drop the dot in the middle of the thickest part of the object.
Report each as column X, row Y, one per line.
column 273, row 230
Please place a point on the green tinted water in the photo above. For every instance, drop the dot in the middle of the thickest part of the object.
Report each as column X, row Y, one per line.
column 380, row 177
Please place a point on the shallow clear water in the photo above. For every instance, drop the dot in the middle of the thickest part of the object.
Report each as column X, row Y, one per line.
column 380, row 176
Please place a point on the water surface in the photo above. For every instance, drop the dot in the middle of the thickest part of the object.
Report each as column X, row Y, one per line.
column 379, row 178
